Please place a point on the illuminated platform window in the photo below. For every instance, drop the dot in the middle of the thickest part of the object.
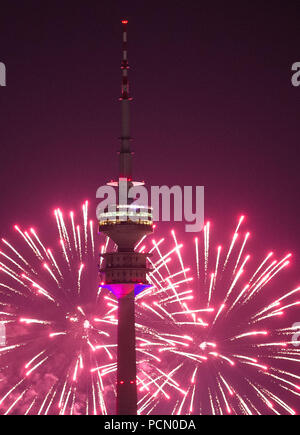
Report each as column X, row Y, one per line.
column 127, row 214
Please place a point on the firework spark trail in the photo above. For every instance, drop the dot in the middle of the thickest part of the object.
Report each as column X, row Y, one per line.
column 228, row 409
column 11, row 391
column 34, row 358
column 16, row 252
column 240, row 295
column 178, row 253
column 15, row 402
column 26, row 240
column 280, row 402
column 262, row 396
column 40, row 289
column 51, row 273
column 162, row 259
column 276, row 303
column 79, row 276
column 58, row 223
column 49, row 252
column 73, row 229
column 197, row 257
column 45, row 400
column 206, row 246
column 36, row 249
column 241, row 252
column 85, row 223
column 63, row 228
column 79, row 241
column 30, row 406
column 65, row 252
column 12, row 261
column 92, row 236
column 261, row 266
column 217, row 265
column 236, row 278
column 234, row 239
column 212, row 278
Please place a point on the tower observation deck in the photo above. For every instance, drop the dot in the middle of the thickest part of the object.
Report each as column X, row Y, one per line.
column 124, row 271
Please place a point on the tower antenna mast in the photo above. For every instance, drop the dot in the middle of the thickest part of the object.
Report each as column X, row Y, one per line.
column 125, row 152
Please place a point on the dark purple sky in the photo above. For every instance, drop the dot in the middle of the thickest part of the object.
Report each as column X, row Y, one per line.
column 213, row 106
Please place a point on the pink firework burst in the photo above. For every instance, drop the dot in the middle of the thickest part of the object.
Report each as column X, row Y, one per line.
column 210, row 339
column 229, row 348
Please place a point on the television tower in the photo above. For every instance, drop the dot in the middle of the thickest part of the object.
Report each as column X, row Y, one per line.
column 124, row 271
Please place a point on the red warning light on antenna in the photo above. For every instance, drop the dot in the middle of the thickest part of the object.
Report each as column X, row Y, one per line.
column 124, row 21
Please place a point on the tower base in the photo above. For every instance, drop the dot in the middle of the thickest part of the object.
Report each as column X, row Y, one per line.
column 126, row 370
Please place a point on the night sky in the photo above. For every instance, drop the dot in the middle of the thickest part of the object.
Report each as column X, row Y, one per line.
column 213, row 106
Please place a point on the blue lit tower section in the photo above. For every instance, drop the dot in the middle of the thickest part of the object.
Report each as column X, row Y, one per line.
column 124, row 271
